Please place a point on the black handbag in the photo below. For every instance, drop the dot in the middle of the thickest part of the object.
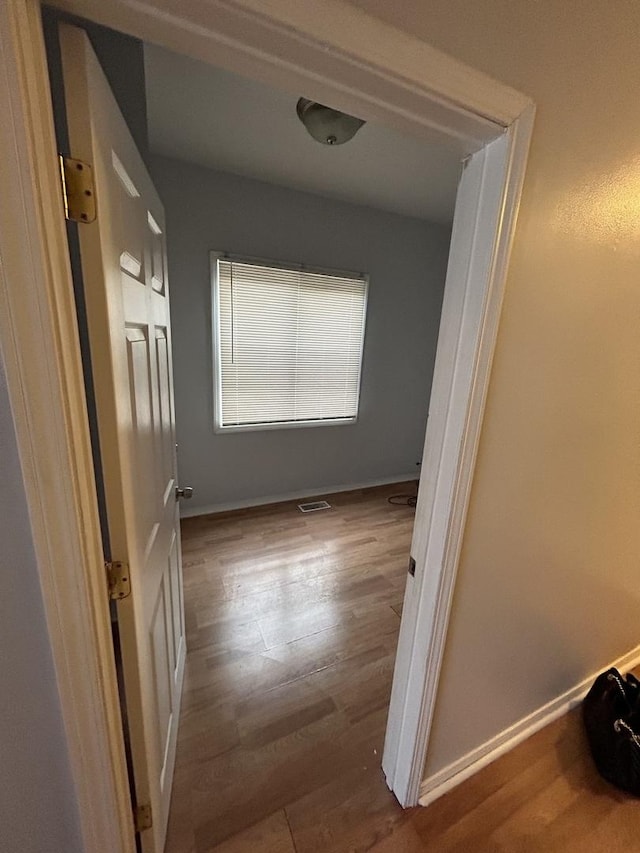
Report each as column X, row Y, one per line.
column 611, row 714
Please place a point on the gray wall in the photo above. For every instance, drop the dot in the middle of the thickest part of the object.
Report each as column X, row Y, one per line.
column 38, row 811
column 406, row 260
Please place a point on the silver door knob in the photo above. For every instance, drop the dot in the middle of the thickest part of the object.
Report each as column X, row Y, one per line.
column 185, row 493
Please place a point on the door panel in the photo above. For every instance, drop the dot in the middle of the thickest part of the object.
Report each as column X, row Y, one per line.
column 158, row 254
column 163, row 673
column 125, row 278
column 165, row 431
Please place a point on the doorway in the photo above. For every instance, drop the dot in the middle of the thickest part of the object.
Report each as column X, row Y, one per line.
column 292, row 618
column 471, row 316
column 291, row 627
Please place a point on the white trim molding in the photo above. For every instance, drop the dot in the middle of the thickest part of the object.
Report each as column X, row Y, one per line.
column 483, row 228
column 299, row 495
column 41, row 352
column 451, row 776
column 330, row 52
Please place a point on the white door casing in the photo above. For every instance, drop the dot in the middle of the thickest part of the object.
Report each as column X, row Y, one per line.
column 124, row 270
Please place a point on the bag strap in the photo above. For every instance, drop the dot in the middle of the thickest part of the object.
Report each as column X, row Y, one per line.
column 620, row 724
column 614, row 675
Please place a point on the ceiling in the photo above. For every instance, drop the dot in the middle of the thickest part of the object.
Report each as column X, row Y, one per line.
column 204, row 115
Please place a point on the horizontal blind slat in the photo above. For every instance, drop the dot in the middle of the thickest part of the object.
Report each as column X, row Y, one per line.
column 290, row 344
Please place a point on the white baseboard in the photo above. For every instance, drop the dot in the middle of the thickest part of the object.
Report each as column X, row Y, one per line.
column 452, row 775
column 189, row 511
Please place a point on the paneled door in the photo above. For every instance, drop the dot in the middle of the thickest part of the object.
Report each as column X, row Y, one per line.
column 124, row 269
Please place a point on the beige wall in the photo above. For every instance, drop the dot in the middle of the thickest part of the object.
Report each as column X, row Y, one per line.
column 549, row 582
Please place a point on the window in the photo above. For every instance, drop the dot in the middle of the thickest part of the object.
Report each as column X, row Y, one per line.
column 288, row 344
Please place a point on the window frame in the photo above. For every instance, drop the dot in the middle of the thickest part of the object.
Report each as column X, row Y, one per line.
column 218, row 427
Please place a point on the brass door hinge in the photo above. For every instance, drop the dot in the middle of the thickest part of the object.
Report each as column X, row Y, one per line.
column 142, row 817
column 78, row 192
column 118, row 580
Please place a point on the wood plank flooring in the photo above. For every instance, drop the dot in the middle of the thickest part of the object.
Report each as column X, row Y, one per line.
column 292, row 624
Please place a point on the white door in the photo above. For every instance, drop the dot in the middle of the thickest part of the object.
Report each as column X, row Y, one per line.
column 125, row 279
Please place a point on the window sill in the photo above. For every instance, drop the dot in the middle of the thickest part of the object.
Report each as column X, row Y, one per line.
column 284, row 425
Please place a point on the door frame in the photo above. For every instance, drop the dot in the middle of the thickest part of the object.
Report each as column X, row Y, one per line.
column 332, row 52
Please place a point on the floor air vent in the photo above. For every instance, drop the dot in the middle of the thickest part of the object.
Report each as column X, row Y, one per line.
column 314, row 506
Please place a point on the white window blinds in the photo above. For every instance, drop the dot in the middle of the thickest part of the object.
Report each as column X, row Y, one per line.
column 289, row 344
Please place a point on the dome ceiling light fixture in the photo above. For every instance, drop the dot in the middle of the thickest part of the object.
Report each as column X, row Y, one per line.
column 326, row 125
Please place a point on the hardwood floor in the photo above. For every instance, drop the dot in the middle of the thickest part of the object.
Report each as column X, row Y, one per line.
column 292, row 624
